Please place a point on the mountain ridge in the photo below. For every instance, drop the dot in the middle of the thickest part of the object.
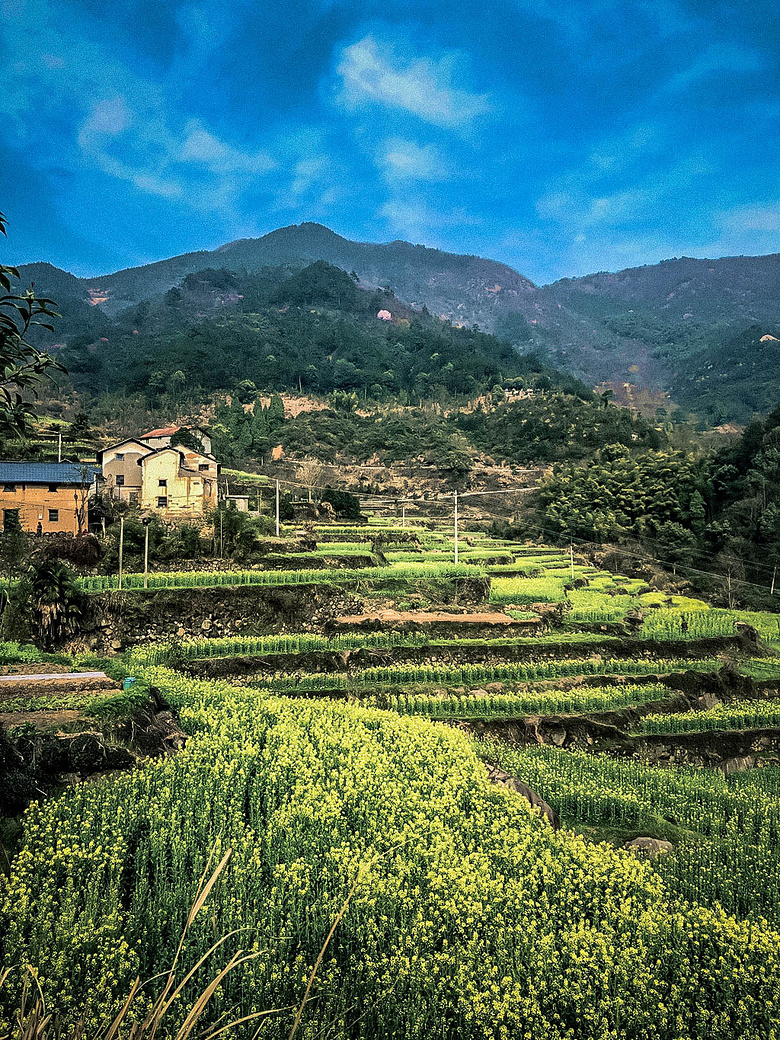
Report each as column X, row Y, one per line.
column 644, row 325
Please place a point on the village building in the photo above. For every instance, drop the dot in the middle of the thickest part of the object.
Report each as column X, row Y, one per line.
column 122, row 473
column 176, row 481
column 162, row 438
column 46, row 497
column 237, row 502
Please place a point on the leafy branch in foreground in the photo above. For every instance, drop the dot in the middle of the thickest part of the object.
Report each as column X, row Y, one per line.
column 22, row 365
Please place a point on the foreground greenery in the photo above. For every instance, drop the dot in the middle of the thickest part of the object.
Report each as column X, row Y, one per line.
column 469, row 917
column 727, row 827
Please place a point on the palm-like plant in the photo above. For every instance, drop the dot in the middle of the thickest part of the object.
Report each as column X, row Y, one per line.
column 56, row 601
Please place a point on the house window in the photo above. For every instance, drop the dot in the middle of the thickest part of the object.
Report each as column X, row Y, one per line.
column 9, row 487
column 53, row 487
column 162, row 503
column 54, row 516
column 203, row 466
column 120, row 480
column 120, row 455
column 163, row 483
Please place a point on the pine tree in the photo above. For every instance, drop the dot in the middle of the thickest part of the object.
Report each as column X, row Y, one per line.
column 242, row 442
column 261, row 431
column 275, row 413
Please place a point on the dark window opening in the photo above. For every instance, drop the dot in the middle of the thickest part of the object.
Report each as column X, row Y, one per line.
column 162, row 503
column 54, row 516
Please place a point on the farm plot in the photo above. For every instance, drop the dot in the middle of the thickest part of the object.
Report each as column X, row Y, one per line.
column 208, row 579
column 484, row 705
column 726, row 830
column 468, row 914
column 367, row 679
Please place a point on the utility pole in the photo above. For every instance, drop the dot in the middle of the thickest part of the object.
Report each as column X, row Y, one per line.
column 59, row 446
column 277, row 507
column 121, row 547
column 571, row 557
column 774, row 575
column 146, row 555
column 456, row 527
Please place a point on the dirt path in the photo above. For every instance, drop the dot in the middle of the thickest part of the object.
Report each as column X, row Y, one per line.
column 74, row 677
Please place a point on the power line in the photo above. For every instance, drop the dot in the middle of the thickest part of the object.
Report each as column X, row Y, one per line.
column 636, row 556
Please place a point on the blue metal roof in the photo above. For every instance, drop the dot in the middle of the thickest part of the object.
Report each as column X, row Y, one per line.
column 46, row 473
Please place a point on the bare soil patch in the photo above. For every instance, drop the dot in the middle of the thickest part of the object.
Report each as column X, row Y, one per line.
column 39, row 719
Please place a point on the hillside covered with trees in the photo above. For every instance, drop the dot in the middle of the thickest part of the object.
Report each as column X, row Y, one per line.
column 711, row 512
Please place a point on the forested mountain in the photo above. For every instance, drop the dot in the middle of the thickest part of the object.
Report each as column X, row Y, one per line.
column 312, row 330
column 447, row 283
column 685, row 326
column 221, row 337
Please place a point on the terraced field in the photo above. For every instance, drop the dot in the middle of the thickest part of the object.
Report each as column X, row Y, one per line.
column 350, row 758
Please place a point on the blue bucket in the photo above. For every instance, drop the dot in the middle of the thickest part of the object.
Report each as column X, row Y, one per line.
column 128, row 682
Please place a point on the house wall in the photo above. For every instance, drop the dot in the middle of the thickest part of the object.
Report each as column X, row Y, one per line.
column 189, row 493
column 194, row 460
column 34, row 502
column 127, row 467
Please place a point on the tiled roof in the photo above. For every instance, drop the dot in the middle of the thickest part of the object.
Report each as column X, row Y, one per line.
column 164, row 431
column 46, row 473
column 168, row 431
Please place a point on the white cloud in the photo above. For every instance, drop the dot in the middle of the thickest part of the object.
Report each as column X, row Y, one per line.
column 753, row 218
column 417, row 222
column 371, row 72
column 201, row 146
column 584, row 199
column 109, row 117
column 403, row 160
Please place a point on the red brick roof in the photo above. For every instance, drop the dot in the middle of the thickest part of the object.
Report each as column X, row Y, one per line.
column 164, row 431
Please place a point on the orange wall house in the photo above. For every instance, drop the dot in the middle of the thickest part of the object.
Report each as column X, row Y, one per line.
column 46, row 496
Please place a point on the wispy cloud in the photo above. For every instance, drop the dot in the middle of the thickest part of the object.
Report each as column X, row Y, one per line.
column 203, row 147
column 421, row 223
column 717, row 60
column 142, row 150
column 373, row 73
column 764, row 217
column 403, row 160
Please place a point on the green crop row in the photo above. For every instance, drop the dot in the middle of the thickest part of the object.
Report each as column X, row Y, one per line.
column 514, row 705
column 726, row 831
column 738, row 715
column 475, row 674
column 243, row 646
column 207, row 579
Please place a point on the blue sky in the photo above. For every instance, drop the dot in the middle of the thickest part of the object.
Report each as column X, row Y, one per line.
column 560, row 137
